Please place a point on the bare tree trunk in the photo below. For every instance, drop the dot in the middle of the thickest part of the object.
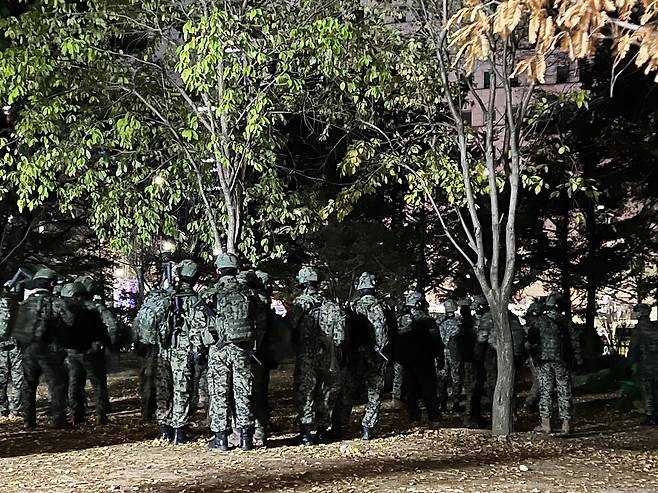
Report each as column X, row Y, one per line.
column 502, row 418
column 564, row 259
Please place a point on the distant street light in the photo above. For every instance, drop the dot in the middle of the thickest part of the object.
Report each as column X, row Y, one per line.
column 168, row 246
column 159, row 180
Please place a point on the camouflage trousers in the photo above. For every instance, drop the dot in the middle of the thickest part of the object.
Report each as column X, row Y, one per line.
column 316, row 388
column 147, row 389
column 173, row 387
column 38, row 361
column 649, row 384
column 454, row 371
column 229, row 366
column 11, row 370
column 200, row 386
column 396, row 393
column 363, row 366
column 80, row 366
column 552, row 375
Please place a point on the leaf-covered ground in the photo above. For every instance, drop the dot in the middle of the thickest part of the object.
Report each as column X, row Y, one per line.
column 608, row 452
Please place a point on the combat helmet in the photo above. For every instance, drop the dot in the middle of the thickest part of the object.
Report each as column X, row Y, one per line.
column 641, row 310
column 556, row 302
column 71, row 289
column 188, row 269
column 45, row 273
column 414, row 299
column 87, row 283
column 306, row 275
column 536, row 308
column 450, row 306
column 227, row 261
column 366, row 281
column 264, row 278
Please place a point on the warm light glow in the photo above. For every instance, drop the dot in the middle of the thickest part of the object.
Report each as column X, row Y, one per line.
column 216, row 252
column 486, row 172
column 601, row 207
column 158, row 180
column 168, row 246
column 118, row 273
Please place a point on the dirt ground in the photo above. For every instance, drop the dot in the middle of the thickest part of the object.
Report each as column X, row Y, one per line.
column 609, row 452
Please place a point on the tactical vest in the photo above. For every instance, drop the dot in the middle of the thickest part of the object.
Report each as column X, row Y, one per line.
column 235, row 310
column 151, row 316
column 552, row 345
column 648, row 341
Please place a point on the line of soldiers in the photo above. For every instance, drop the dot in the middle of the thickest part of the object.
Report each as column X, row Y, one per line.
column 59, row 333
column 226, row 338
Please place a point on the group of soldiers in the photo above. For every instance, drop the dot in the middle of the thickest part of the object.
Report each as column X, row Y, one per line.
column 222, row 340
column 60, row 332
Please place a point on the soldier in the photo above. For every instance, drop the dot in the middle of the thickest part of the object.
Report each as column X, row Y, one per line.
column 11, row 357
column 38, row 329
column 230, row 356
column 179, row 344
column 450, row 331
column 415, row 350
column 318, row 327
column 85, row 341
column 532, row 317
column 369, row 338
column 481, row 369
column 554, row 347
column 644, row 352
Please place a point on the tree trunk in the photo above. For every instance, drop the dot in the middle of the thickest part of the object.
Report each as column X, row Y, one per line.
column 592, row 343
column 502, row 419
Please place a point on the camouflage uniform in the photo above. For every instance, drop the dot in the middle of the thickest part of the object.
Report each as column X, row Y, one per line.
column 532, row 319
column 644, row 352
column 483, row 359
column 317, row 371
column 555, row 348
column 229, row 360
column 396, row 392
column 37, row 329
column 11, row 360
column 150, row 317
column 366, row 361
column 450, row 331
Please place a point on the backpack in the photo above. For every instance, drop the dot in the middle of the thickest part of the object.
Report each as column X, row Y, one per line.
column 151, row 316
column 34, row 321
column 332, row 321
column 235, row 311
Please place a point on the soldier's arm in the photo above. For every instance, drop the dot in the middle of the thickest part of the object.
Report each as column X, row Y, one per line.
column 110, row 322
column 61, row 310
column 377, row 317
column 574, row 335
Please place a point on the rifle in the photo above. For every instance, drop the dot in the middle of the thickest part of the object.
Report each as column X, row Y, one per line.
column 21, row 276
column 379, row 352
column 209, row 336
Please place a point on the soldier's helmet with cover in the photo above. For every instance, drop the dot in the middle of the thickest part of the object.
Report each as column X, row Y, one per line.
column 641, row 310
column 188, row 269
column 479, row 303
column 264, row 278
column 450, row 306
column 45, row 274
column 414, row 299
column 72, row 289
column 88, row 284
column 307, row 275
column 366, row 281
column 556, row 302
column 227, row 261
column 536, row 308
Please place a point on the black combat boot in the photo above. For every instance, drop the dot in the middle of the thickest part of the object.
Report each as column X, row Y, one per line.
column 367, row 433
column 219, row 442
column 180, row 436
column 246, row 438
column 166, row 433
column 78, row 418
column 305, row 435
column 336, row 432
column 322, row 435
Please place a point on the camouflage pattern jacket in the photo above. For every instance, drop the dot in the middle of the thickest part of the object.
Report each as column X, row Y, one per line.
column 554, row 339
column 449, row 328
column 40, row 320
column 107, row 317
column 307, row 332
column 644, row 344
column 8, row 308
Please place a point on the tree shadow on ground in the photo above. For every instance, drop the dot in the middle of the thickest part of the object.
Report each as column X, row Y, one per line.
column 359, row 468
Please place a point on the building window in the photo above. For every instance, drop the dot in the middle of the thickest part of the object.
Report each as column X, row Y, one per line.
column 563, row 73
column 467, row 118
column 487, row 80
